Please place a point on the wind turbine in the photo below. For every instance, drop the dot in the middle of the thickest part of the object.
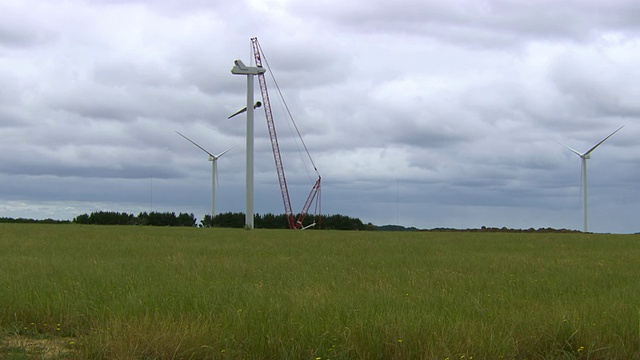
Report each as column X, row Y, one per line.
column 214, row 171
column 585, row 156
column 240, row 68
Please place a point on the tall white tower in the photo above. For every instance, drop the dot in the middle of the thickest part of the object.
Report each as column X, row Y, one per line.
column 240, row 68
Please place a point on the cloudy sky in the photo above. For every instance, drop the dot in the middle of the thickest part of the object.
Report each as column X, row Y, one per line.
column 416, row 112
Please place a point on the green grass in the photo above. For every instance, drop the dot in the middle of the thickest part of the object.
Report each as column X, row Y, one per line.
column 96, row 292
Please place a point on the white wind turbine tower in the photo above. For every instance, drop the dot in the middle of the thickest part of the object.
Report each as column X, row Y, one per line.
column 585, row 156
column 214, row 171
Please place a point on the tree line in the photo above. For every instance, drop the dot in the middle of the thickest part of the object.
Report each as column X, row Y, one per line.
column 506, row 230
column 226, row 220
column 143, row 218
column 265, row 221
column 32, row 221
column 273, row 221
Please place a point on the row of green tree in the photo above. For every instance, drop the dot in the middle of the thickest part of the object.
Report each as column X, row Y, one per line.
column 144, row 218
column 32, row 221
column 228, row 220
column 506, row 229
column 266, row 221
column 272, row 221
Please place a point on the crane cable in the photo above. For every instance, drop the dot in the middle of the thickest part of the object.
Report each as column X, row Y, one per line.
column 288, row 111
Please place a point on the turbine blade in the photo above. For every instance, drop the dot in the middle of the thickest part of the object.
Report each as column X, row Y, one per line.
column 216, row 175
column 238, row 112
column 200, row 147
column 603, row 140
column 572, row 150
column 256, row 105
column 581, row 183
column 224, row 152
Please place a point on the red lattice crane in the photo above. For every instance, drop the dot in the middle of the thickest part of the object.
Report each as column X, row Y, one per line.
column 315, row 190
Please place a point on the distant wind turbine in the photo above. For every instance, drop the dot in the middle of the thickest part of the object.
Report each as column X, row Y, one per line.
column 585, row 156
column 214, row 171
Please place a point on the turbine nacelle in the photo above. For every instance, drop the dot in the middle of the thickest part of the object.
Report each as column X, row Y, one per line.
column 240, row 68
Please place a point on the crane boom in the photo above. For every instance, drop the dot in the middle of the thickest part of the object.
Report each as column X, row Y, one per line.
column 277, row 157
column 282, row 180
column 305, row 209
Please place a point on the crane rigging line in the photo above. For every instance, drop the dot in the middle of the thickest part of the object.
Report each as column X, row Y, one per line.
column 288, row 111
column 293, row 135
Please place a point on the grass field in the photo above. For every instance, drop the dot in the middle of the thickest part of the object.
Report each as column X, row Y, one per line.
column 99, row 292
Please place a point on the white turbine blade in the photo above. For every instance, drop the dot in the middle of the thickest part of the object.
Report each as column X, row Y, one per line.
column 581, row 182
column 216, row 175
column 238, row 112
column 603, row 140
column 572, row 150
column 200, row 147
column 224, row 152
column 257, row 105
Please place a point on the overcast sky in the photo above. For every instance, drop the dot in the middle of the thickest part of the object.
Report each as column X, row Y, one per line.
column 416, row 112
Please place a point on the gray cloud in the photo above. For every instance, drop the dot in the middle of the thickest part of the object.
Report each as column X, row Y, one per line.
column 481, row 23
